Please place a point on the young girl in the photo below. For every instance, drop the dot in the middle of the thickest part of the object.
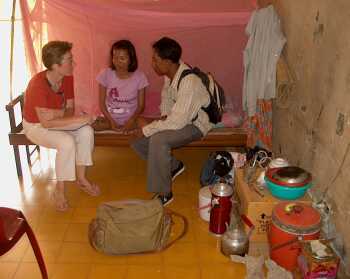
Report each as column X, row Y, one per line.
column 122, row 88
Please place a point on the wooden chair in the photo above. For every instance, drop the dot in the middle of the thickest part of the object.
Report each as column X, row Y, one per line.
column 13, row 225
column 16, row 136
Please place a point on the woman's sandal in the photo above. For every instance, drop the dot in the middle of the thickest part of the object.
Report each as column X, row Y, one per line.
column 61, row 204
column 92, row 189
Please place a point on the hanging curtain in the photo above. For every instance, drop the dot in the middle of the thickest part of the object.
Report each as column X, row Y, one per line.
column 32, row 33
column 211, row 34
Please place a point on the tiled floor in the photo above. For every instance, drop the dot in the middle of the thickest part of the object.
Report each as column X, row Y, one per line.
column 63, row 236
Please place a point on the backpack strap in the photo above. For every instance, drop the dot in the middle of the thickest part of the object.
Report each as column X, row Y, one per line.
column 183, row 74
column 196, row 71
column 205, row 80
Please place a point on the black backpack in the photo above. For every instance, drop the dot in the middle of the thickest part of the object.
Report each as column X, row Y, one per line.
column 216, row 168
column 215, row 109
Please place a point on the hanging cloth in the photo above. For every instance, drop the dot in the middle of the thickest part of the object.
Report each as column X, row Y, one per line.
column 259, row 126
column 263, row 49
column 260, row 57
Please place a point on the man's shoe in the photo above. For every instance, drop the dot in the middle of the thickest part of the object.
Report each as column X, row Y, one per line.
column 164, row 199
column 176, row 172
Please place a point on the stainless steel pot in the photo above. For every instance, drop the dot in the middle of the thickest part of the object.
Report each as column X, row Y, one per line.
column 291, row 175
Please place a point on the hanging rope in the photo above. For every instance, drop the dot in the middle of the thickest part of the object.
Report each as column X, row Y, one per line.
column 12, row 46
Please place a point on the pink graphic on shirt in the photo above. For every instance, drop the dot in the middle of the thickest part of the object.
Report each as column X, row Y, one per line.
column 113, row 98
column 114, row 93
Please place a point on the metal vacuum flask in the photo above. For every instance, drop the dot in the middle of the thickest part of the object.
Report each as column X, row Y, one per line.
column 221, row 204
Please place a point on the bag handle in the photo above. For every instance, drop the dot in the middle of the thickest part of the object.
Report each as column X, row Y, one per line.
column 184, row 230
column 181, row 235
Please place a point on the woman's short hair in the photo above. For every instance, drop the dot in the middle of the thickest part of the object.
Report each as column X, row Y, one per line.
column 53, row 52
column 167, row 48
column 129, row 47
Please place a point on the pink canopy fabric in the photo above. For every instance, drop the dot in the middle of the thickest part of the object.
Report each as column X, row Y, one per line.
column 211, row 34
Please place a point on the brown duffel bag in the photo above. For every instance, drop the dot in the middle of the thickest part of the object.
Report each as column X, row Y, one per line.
column 133, row 226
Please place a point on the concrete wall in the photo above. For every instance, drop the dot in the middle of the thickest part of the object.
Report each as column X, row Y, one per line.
column 311, row 126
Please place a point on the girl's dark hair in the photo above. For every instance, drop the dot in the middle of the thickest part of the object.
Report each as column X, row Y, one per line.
column 129, row 47
column 167, row 48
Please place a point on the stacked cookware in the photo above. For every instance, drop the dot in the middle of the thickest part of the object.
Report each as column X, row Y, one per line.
column 288, row 183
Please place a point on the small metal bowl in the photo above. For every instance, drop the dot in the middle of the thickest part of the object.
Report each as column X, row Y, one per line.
column 292, row 175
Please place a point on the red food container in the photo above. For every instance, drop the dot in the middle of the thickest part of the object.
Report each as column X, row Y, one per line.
column 221, row 204
column 291, row 222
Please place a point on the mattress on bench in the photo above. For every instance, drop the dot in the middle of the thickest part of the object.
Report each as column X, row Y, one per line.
column 217, row 137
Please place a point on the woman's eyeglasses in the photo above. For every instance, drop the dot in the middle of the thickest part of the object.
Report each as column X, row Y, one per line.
column 64, row 101
column 60, row 93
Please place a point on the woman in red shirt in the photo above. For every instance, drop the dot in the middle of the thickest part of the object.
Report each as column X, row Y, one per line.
column 49, row 120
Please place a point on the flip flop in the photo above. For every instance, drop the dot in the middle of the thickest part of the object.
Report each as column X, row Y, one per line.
column 92, row 189
column 60, row 204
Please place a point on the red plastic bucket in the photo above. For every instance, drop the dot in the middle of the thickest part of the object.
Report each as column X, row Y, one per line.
column 291, row 222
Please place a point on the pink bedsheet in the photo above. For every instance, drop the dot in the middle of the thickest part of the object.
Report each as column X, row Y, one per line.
column 210, row 32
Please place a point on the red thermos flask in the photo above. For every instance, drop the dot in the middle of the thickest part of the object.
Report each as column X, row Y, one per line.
column 221, row 204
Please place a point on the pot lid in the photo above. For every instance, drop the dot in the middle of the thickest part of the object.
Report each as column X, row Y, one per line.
column 269, row 176
column 222, row 190
column 291, row 174
column 296, row 217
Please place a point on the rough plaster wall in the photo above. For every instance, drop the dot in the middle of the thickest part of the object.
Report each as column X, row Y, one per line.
column 313, row 129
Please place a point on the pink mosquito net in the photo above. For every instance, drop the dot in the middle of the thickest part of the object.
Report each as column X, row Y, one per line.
column 211, row 34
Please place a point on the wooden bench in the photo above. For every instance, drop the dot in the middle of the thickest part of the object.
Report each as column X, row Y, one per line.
column 217, row 138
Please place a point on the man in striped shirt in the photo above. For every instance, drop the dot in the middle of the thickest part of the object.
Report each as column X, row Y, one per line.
column 182, row 119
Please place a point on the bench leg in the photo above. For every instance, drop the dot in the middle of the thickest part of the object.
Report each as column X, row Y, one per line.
column 28, row 155
column 38, row 149
column 18, row 160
